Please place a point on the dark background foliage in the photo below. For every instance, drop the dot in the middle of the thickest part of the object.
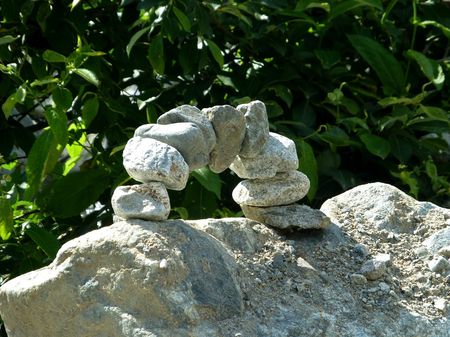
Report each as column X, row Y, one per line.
column 360, row 85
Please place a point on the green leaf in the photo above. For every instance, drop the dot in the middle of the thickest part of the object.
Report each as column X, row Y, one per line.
column 335, row 136
column 156, row 54
column 431, row 169
column 215, row 52
column 16, row 98
column 342, row 7
column 183, row 19
column 89, row 110
column 88, row 75
column 7, row 39
column 308, row 165
column 73, row 193
column 57, row 120
column 62, row 98
column 435, row 113
column 328, row 58
column 53, row 56
column 376, row 145
column 284, row 93
column 430, row 68
column 135, row 38
column 387, row 68
column 44, row 81
column 400, row 148
column 74, row 4
column 209, row 180
column 42, row 159
column 45, row 240
column 6, row 219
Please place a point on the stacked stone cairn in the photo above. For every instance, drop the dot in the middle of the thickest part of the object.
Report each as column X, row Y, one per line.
column 161, row 155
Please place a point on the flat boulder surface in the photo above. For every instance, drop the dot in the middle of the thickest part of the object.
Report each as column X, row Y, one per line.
column 236, row 277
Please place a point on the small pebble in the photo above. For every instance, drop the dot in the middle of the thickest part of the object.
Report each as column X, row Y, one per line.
column 384, row 287
column 440, row 304
column 421, row 252
column 438, row 264
column 163, row 264
column 361, row 250
column 444, row 251
column 358, row 279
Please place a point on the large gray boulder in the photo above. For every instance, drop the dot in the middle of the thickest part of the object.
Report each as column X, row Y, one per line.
column 237, row 277
column 134, row 278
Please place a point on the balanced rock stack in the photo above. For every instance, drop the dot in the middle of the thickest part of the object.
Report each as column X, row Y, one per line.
column 161, row 155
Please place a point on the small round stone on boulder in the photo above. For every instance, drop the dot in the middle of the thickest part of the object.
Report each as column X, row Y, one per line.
column 187, row 138
column 256, row 128
column 278, row 155
column 146, row 201
column 229, row 126
column 282, row 189
column 189, row 113
column 148, row 160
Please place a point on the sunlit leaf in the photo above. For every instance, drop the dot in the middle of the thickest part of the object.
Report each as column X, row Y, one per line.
column 135, row 38
column 209, row 180
column 45, row 240
column 88, row 75
column 53, row 56
column 430, row 68
column 6, row 219
column 215, row 52
column 7, row 39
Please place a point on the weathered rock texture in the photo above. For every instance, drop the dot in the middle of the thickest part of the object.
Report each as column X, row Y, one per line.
column 229, row 127
column 282, row 189
column 256, row 128
column 148, row 160
column 146, row 201
column 236, row 277
column 131, row 279
column 187, row 138
column 277, row 155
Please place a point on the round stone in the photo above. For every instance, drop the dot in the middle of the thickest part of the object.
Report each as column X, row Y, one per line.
column 187, row 138
column 147, row 160
column 284, row 188
column 278, row 155
column 146, row 201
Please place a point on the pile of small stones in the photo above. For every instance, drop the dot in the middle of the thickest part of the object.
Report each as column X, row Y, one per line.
column 161, row 155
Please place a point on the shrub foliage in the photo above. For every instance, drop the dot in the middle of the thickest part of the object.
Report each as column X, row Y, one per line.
column 360, row 85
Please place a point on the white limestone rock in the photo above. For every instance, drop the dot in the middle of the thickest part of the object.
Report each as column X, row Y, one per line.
column 148, row 160
column 146, row 201
column 292, row 216
column 278, row 155
column 256, row 128
column 282, row 189
column 187, row 138
column 189, row 113
column 131, row 279
column 385, row 207
column 229, row 127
